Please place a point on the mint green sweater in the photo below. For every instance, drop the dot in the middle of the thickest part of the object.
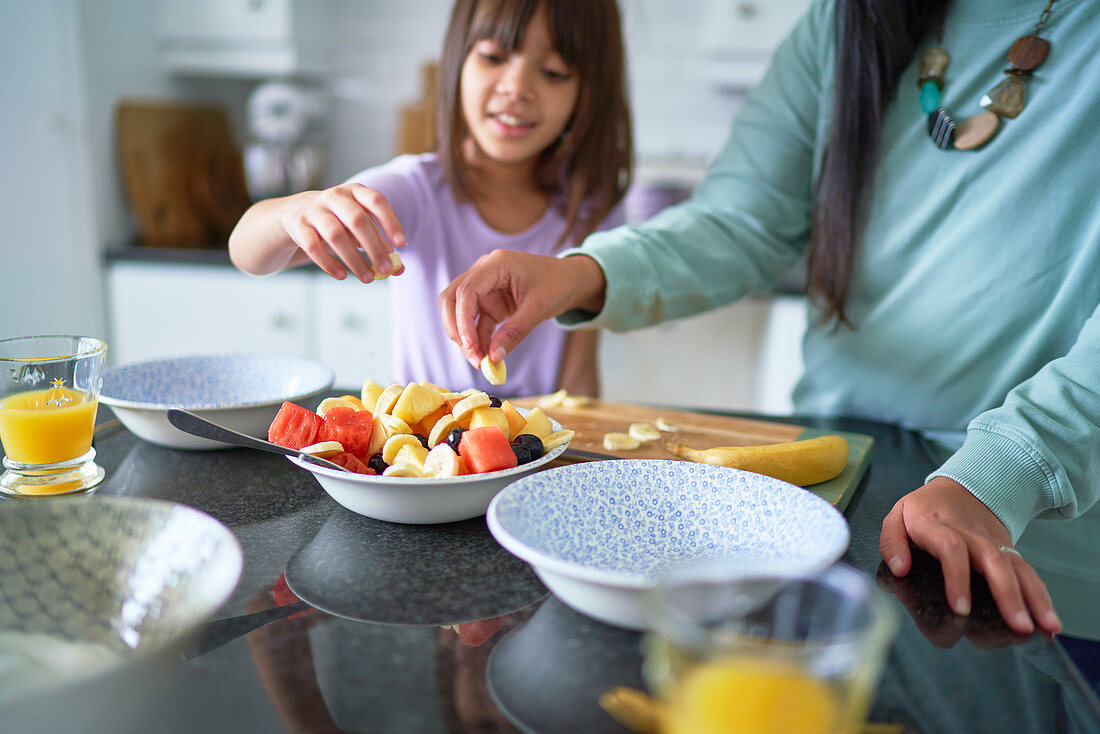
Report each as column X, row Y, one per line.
column 976, row 290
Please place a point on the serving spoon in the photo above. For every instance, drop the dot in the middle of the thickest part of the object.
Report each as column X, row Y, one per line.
column 188, row 422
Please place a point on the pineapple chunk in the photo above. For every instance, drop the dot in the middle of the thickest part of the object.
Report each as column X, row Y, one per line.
column 411, row 454
column 387, row 399
column 538, row 424
column 369, row 395
column 489, row 417
column 416, row 403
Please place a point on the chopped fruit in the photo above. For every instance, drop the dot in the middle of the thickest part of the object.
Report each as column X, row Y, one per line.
column 433, row 386
column 495, row 372
column 516, row 421
column 538, row 424
column 323, row 450
column 329, row 403
column 490, row 417
column 523, row 456
column 387, row 398
column 351, row 462
column 395, row 260
column 350, row 427
column 416, row 403
column 404, row 469
column 554, row 400
column 440, row 430
column 557, row 438
column 370, row 393
column 294, row 426
column 377, row 463
column 411, row 454
column 427, row 423
column 357, row 402
column 395, row 442
column 486, row 449
column 620, row 442
column 454, row 438
column 575, row 401
column 442, row 461
column 644, row 432
column 465, row 407
column 531, row 442
column 663, row 425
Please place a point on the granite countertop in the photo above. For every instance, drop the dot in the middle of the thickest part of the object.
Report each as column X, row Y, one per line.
column 374, row 650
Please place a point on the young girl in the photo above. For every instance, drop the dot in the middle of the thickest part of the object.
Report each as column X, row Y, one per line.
column 533, row 154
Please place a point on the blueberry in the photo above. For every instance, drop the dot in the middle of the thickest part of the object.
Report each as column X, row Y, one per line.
column 494, row 401
column 531, row 442
column 523, row 456
column 377, row 463
column 454, row 437
column 422, row 439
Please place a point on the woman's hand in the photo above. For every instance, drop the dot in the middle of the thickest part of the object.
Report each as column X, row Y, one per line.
column 332, row 226
column 515, row 291
column 953, row 525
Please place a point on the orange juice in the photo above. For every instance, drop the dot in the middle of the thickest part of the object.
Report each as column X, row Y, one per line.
column 751, row 695
column 47, row 426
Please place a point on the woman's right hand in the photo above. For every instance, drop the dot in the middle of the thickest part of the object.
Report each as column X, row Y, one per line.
column 335, row 227
column 495, row 304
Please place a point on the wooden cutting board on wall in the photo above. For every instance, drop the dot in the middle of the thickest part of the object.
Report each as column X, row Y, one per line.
column 701, row 431
column 182, row 171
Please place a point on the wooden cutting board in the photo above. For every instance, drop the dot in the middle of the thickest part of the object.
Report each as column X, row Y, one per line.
column 701, row 431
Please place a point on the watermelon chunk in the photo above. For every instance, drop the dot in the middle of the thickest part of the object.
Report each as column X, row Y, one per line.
column 351, row 462
column 294, row 426
column 486, row 449
column 350, row 427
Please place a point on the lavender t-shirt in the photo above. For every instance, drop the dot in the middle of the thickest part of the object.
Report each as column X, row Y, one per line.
column 444, row 238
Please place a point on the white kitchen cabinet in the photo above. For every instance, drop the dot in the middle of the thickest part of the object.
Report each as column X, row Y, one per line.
column 353, row 329
column 246, row 38
column 163, row 310
column 738, row 38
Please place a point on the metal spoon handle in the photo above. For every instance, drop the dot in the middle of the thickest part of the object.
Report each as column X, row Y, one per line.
column 188, row 422
column 221, row 631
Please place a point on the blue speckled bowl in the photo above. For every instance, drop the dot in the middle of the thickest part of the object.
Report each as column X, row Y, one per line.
column 600, row 534
column 239, row 391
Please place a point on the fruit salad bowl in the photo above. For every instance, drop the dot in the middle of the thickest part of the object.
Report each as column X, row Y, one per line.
column 239, row 391
column 421, row 500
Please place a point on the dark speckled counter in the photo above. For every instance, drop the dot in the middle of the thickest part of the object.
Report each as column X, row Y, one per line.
column 375, row 650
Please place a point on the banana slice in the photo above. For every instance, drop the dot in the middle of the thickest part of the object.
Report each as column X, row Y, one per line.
column 440, row 430
column 620, row 442
column 663, row 425
column 329, row 403
column 495, row 372
column 557, row 438
column 404, row 469
column 442, row 461
column 395, row 259
column 575, row 401
column 324, row 449
column 553, row 400
column 395, row 442
column 644, row 432
column 469, row 404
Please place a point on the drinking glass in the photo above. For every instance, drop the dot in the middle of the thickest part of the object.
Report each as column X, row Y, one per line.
column 49, row 393
column 791, row 654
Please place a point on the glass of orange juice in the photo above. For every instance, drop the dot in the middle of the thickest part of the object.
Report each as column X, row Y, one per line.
column 49, row 393
column 734, row 653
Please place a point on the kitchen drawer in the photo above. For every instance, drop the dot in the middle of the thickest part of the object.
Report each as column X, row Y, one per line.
column 160, row 310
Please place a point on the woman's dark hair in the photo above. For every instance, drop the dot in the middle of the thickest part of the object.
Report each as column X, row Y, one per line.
column 588, row 169
column 875, row 40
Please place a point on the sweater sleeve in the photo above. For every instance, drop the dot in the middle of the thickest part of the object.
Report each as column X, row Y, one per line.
column 748, row 221
column 1036, row 455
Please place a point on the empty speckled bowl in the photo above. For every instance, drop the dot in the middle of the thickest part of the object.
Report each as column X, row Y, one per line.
column 238, row 391
column 98, row 596
column 601, row 534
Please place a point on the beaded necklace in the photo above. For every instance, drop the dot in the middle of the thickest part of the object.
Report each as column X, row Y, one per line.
column 1004, row 100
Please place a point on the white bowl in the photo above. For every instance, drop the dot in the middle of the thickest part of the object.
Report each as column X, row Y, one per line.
column 238, row 391
column 417, row 501
column 98, row 596
column 601, row 534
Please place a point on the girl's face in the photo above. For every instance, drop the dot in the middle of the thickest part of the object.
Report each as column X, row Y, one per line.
column 517, row 103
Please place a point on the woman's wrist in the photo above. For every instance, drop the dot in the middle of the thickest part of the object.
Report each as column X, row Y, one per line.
column 590, row 283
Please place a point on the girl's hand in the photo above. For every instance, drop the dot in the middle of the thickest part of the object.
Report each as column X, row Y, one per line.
column 515, row 291
column 953, row 525
column 332, row 226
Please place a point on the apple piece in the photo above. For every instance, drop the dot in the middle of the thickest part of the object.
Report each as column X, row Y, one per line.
column 489, row 416
column 538, row 424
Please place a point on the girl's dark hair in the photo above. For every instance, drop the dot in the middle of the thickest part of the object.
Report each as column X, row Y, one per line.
column 875, row 41
column 588, row 169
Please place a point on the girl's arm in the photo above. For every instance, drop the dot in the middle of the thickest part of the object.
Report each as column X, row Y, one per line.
column 344, row 228
column 579, row 373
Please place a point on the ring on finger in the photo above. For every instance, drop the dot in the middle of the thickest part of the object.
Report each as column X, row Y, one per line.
column 1010, row 550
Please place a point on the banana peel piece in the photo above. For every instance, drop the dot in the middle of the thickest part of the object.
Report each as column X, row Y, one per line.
column 811, row 461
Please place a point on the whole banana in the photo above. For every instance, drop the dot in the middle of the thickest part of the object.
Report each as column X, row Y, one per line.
column 803, row 463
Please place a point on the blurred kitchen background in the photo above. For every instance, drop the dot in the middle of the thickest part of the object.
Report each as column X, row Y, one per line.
column 121, row 134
